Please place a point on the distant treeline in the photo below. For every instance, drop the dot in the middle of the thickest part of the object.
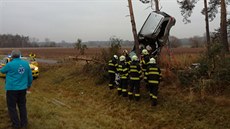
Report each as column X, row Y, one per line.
column 9, row 40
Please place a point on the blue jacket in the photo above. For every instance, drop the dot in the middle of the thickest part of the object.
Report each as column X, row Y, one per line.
column 18, row 75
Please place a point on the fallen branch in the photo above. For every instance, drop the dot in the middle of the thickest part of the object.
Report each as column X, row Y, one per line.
column 57, row 102
column 84, row 59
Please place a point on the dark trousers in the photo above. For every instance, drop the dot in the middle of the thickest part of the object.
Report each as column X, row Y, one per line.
column 153, row 93
column 124, row 87
column 111, row 80
column 135, row 86
column 153, row 88
column 17, row 99
column 134, row 89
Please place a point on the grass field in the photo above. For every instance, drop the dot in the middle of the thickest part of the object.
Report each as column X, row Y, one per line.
column 65, row 97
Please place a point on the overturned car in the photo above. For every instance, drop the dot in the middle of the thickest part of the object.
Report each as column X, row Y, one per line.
column 155, row 32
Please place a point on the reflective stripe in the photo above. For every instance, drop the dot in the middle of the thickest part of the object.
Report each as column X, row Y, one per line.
column 124, row 90
column 153, row 68
column 130, row 93
column 134, row 78
column 133, row 66
column 118, row 88
column 133, row 70
column 154, row 97
column 137, row 95
column 155, row 82
column 110, row 84
column 143, row 70
column 153, row 73
column 125, row 69
column 111, row 64
column 123, row 77
column 145, row 77
column 150, row 94
column 111, row 71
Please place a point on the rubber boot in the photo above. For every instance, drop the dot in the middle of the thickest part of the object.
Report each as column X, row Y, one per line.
column 124, row 94
column 119, row 92
column 111, row 87
column 137, row 98
column 154, row 102
column 130, row 97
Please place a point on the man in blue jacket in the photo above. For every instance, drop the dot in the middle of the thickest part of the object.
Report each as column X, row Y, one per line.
column 18, row 79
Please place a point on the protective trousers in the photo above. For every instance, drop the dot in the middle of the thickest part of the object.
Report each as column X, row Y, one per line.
column 122, row 89
column 111, row 80
column 17, row 98
column 134, row 90
column 153, row 93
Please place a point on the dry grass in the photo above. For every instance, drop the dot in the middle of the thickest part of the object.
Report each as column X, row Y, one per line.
column 87, row 106
column 64, row 97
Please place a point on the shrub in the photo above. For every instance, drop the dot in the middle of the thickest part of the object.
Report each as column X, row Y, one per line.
column 213, row 73
column 99, row 69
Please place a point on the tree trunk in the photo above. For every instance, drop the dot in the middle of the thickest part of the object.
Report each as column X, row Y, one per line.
column 157, row 5
column 207, row 25
column 134, row 28
column 223, row 27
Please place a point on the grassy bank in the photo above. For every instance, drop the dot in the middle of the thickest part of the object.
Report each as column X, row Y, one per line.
column 64, row 97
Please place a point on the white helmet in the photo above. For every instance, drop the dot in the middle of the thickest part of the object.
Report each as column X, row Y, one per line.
column 134, row 58
column 152, row 61
column 145, row 52
column 122, row 58
column 115, row 57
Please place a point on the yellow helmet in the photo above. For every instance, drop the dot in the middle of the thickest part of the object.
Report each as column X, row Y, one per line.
column 122, row 58
column 145, row 52
column 134, row 58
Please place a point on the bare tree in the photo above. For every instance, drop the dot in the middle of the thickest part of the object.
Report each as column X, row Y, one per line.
column 223, row 26
column 134, row 30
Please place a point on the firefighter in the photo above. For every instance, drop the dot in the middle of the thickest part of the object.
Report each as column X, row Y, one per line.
column 112, row 70
column 123, row 71
column 135, row 77
column 153, row 76
column 127, row 58
column 144, row 65
column 32, row 55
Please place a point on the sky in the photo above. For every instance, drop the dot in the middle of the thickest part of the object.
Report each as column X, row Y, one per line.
column 90, row 20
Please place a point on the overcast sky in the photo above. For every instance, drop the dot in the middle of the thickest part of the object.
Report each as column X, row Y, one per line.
column 89, row 20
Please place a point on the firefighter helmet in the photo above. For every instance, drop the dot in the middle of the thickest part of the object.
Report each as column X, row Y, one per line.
column 145, row 52
column 152, row 61
column 115, row 57
column 122, row 58
column 134, row 58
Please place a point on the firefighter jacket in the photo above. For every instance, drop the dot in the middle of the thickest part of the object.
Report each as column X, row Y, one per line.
column 128, row 59
column 135, row 70
column 153, row 74
column 144, row 62
column 123, row 70
column 112, row 66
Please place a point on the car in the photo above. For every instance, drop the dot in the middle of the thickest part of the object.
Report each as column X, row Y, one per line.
column 155, row 31
column 3, row 62
column 32, row 62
